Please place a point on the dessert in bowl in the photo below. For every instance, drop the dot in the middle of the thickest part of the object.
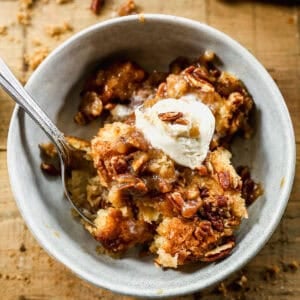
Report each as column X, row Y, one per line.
column 158, row 174
column 147, row 44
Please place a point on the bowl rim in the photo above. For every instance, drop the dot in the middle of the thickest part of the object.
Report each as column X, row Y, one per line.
column 261, row 241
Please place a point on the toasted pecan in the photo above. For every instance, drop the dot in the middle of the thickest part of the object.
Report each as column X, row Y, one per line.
column 170, row 116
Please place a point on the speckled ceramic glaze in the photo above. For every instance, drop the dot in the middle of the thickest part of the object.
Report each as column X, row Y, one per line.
column 153, row 44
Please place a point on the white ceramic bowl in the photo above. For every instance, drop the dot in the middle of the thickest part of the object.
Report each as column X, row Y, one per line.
column 56, row 85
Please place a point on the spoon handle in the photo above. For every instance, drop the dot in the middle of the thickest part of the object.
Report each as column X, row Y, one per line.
column 15, row 89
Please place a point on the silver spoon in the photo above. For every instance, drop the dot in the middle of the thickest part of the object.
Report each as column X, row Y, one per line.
column 15, row 89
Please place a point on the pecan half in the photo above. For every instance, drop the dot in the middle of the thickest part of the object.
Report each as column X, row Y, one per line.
column 203, row 230
column 131, row 184
column 170, row 116
column 176, row 200
column 218, row 252
column 201, row 73
column 190, row 208
column 187, row 208
column 224, row 179
column 197, row 77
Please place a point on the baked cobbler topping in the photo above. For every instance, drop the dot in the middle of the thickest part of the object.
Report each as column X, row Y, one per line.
column 159, row 173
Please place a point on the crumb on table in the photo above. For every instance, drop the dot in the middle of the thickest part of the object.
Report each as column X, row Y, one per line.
column 272, row 273
column 25, row 4
column 127, row 8
column 24, row 12
column 24, row 17
column 55, row 31
column 141, row 18
column 3, row 30
column 34, row 59
column 36, row 42
column 22, row 248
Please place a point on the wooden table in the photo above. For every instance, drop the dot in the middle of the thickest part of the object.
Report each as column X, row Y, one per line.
column 269, row 30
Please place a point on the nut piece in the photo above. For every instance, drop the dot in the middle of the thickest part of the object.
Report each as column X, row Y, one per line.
column 209, row 55
column 176, row 200
column 48, row 149
column 49, row 169
column 198, row 78
column 79, row 118
column 131, row 184
column 170, row 116
column 187, row 208
column 90, row 107
column 224, row 179
column 139, row 159
column 218, row 252
column 119, row 164
column 96, row 6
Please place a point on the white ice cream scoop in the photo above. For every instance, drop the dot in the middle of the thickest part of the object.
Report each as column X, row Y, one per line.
column 182, row 128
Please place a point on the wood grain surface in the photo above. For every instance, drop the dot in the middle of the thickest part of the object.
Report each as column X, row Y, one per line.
column 269, row 29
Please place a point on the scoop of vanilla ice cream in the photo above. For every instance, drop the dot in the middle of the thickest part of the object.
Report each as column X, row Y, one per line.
column 185, row 139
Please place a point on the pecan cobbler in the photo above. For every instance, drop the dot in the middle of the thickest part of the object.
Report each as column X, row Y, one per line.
column 158, row 173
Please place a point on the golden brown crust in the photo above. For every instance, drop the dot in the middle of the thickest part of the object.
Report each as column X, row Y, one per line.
column 148, row 183
column 117, row 232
